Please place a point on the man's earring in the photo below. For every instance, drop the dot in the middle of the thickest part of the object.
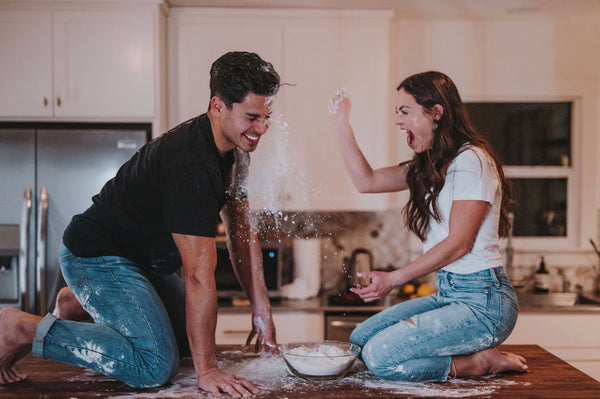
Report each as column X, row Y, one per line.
column 435, row 125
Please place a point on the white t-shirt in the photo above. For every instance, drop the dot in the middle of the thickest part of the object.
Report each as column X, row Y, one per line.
column 471, row 175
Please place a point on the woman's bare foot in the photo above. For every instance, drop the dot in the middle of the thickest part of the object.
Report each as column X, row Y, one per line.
column 17, row 330
column 489, row 361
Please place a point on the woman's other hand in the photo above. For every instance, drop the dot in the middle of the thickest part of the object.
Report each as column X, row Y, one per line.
column 381, row 285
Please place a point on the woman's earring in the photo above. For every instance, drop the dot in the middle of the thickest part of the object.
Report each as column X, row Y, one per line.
column 435, row 125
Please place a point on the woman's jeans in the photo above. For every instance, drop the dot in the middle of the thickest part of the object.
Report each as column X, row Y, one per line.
column 131, row 339
column 469, row 313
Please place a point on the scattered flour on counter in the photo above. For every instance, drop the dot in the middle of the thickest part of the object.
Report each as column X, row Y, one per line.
column 270, row 374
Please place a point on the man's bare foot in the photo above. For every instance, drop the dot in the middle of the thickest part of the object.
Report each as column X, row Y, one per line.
column 17, row 330
column 489, row 361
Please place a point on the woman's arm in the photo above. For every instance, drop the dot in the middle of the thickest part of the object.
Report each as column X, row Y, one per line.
column 364, row 177
column 466, row 217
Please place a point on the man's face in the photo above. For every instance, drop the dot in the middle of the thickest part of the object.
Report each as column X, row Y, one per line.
column 243, row 125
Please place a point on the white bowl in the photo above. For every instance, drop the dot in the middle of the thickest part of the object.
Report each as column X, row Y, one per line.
column 319, row 360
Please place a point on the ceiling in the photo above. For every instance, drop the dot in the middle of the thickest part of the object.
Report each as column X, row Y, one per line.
column 423, row 8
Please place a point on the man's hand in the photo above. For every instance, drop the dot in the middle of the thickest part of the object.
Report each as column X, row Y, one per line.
column 264, row 330
column 217, row 381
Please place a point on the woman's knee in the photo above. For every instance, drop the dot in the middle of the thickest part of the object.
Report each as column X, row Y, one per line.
column 360, row 335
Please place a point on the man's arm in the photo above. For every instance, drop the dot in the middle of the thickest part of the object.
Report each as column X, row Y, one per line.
column 246, row 258
column 199, row 257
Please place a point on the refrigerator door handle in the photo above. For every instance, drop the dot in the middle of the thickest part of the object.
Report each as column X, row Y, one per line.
column 41, row 293
column 24, row 242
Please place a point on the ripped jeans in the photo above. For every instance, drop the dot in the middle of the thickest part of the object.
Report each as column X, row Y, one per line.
column 131, row 339
column 469, row 313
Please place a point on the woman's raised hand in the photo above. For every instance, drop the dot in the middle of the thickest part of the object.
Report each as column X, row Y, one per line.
column 339, row 105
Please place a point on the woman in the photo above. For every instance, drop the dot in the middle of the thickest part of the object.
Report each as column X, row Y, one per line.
column 458, row 208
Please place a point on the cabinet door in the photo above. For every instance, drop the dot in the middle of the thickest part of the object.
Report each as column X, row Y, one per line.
column 292, row 326
column 25, row 63
column 104, row 64
column 297, row 165
column 572, row 337
column 323, row 56
column 191, row 58
column 196, row 41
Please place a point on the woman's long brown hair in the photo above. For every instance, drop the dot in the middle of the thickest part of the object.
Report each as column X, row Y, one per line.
column 425, row 177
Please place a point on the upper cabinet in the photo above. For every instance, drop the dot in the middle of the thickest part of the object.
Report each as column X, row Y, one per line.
column 297, row 165
column 85, row 63
column 26, row 63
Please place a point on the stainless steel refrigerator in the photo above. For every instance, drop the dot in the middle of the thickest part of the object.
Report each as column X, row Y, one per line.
column 48, row 173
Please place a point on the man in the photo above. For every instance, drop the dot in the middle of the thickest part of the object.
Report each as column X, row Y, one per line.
column 158, row 213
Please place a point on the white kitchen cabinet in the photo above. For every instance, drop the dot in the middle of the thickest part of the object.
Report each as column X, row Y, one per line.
column 291, row 326
column 571, row 336
column 78, row 64
column 26, row 63
column 297, row 165
column 328, row 54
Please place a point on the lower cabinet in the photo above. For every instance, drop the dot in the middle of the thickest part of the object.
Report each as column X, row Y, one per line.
column 572, row 337
column 291, row 326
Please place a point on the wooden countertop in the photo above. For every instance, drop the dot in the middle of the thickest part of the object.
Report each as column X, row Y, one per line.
column 548, row 377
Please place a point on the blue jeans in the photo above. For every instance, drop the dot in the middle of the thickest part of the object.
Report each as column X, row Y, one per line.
column 131, row 339
column 469, row 313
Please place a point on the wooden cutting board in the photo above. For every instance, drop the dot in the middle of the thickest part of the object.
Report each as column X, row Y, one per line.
column 548, row 377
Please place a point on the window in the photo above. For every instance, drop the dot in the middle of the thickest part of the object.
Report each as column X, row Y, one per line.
column 534, row 143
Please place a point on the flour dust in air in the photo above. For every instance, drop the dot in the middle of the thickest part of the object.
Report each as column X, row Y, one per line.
column 278, row 181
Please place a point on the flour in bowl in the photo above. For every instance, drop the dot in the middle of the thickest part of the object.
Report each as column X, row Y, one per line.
column 323, row 360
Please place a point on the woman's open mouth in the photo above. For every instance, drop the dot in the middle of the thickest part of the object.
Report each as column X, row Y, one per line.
column 410, row 137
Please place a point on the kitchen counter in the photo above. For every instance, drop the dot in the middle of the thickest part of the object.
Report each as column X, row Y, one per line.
column 321, row 304
column 548, row 377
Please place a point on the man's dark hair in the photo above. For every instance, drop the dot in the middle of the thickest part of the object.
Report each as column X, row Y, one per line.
column 237, row 73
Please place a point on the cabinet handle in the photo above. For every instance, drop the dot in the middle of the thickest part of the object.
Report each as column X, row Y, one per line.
column 45, row 101
column 236, row 332
column 58, row 102
column 343, row 324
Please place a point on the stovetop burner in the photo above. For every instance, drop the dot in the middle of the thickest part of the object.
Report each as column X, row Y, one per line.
column 346, row 298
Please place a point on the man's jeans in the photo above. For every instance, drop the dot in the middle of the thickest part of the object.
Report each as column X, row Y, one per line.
column 469, row 313
column 131, row 339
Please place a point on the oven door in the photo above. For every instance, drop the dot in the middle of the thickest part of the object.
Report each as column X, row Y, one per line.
column 339, row 326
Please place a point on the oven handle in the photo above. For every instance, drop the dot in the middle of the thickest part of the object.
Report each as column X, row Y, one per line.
column 236, row 332
column 24, row 242
column 41, row 252
column 343, row 323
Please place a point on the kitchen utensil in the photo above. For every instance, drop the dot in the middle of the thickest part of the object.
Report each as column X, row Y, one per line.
column 595, row 247
column 358, row 264
column 307, row 270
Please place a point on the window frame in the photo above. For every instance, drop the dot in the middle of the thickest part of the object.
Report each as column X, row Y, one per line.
column 572, row 173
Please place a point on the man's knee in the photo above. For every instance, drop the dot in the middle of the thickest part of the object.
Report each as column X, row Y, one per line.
column 162, row 371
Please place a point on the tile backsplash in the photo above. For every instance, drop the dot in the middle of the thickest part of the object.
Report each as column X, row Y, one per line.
column 385, row 236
